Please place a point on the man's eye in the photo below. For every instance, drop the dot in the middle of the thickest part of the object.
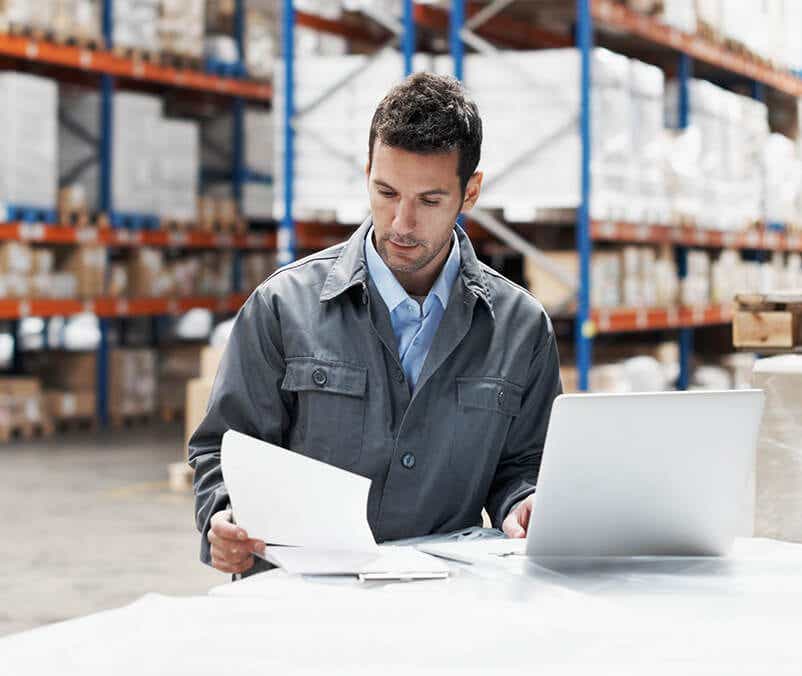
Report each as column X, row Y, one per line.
column 429, row 203
column 385, row 193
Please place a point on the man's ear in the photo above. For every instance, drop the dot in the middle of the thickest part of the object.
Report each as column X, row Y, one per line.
column 472, row 191
column 367, row 169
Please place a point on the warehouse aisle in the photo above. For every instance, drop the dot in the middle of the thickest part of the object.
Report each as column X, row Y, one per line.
column 89, row 524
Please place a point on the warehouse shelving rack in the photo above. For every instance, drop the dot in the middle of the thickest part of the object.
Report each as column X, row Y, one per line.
column 82, row 64
column 589, row 14
column 400, row 30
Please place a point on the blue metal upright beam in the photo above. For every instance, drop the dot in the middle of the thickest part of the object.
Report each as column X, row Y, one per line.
column 457, row 47
column 583, row 331
column 286, row 230
column 685, row 335
column 238, row 170
column 105, row 203
column 409, row 38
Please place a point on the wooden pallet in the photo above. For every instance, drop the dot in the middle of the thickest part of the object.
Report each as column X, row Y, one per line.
column 171, row 414
column 237, row 226
column 119, row 421
column 76, row 424
column 91, row 42
column 137, row 54
column 180, row 477
column 60, row 37
column 26, row 431
column 768, row 320
column 176, row 225
column 181, row 61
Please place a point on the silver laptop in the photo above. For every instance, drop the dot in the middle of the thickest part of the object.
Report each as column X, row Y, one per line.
column 639, row 475
column 645, row 474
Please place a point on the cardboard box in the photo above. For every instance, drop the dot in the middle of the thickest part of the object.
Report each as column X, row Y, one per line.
column 17, row 386
column 78, row 405
column 147, row 275
column 21, row 402
column 198, row 392
column 767, row 329
column 180, row 362
column 172, row 395
column 66, row 371
column 210, row 361
column 16, row 258
column 88, row 263
column 133, row 387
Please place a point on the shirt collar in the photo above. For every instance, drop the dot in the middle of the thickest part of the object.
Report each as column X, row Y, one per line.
column 390, row 288
column 350, row 268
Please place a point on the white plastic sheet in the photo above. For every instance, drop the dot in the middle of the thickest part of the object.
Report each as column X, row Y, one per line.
column 732, row 616
column 778, row 498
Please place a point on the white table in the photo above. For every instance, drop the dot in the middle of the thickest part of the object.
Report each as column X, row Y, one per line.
column 741, row 615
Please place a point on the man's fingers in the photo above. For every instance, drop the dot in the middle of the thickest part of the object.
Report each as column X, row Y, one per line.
column 228, row 567
column 512, row 527
column 222, row 527
column 255, row 546
column 233, row 555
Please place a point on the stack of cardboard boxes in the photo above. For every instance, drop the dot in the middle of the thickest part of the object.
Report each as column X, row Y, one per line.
column 133, row 386
column 178, row 365
column 70, row 381
column 22, row 408
column 197, row 397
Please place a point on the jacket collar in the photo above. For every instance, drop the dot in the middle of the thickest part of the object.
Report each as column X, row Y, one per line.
column 350, row 268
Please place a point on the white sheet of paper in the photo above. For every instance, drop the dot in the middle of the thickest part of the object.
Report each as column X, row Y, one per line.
column 285, row 498
column 394, row 562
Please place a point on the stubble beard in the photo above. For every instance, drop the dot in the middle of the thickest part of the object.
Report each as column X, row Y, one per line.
column 428, row 255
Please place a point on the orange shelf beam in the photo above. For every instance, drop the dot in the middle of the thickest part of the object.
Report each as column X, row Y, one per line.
column 618, row 16
column 108, row 63
column 116, row 307
column 333, row 27
column 622, row 320
column 501, row 29
column 55, row 234
column 762, row 239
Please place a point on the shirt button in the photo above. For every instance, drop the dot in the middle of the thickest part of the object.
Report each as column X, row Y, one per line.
column 408, row 460
column 320, row 377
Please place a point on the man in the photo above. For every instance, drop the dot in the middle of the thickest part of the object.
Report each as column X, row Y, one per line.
column 396, row 355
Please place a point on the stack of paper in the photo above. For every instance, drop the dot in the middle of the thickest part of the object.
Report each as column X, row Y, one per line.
column 312, row 516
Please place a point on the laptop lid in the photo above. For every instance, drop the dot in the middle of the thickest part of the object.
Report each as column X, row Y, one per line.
column 645, row 474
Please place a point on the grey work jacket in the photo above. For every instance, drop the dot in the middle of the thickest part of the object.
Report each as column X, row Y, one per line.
column 312, row 365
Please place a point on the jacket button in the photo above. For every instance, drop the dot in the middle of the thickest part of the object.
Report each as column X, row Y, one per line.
column 399, row 375
column 500, row 398
column 408, row 460
column 320, row 377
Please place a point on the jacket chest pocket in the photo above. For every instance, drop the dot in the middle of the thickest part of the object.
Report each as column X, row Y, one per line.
column 331, row 407
column 485, row 409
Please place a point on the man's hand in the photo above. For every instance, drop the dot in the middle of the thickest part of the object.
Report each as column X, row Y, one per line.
column 232, row 550
column 517, row 520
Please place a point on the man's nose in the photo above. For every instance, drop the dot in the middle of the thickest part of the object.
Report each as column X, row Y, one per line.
column 404, row 221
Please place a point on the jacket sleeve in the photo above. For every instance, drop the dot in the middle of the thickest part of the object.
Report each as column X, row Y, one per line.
column 519, row 465
column 246, row 397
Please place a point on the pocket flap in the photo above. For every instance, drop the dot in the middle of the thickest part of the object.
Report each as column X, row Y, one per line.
column 309, row 373
column 493, row 394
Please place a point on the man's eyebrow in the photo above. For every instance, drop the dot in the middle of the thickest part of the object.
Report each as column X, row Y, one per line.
column 433, row 191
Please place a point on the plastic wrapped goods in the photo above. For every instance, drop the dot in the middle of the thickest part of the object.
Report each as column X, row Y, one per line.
column 135, row 148
column 28, row 144
column 535, row 96
column 778, row 497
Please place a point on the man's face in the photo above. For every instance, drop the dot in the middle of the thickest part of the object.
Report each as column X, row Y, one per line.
column 415, row 200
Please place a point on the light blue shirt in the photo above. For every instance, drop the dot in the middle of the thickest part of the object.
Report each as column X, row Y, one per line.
column 414, row 326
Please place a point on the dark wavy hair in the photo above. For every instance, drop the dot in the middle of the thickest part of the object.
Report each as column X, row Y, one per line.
column 429, row 113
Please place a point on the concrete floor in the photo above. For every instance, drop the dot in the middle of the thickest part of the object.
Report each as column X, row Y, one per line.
column 90, row 524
